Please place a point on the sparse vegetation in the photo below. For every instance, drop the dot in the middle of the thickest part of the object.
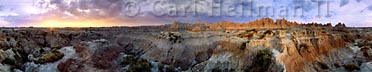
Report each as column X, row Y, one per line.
column 347, row 38
column 174, row 38
column 9, row 61
column 351, row 67
column 336, row 65
column 128, row 60
column 203, row 55
column 303, row 46
column 56, row 47
column 261, row 61
column 363, row 43
column 216, row 70
column 254, row 30
column 323, row 31
column 261, row 36
column 52, row 56
column 140, row 66
column 244, row 45
column 268, row 32
column 166, row 68
column 137, row 64
column 241, row 35
column 323, row 65
column 174, row 48
column 247, row 33
column 222, row 70
column 171, row 36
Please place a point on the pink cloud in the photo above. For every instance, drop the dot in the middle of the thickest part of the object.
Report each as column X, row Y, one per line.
column 4, row 22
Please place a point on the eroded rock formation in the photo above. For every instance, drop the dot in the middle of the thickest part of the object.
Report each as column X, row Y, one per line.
column 263, row 45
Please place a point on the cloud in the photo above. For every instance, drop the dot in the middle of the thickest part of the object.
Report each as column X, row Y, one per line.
column 114, row 8
column 358, row 0
column 344, row 2
column 3, row 22
column 96, row 9
column 1, row 8
column 369, row 7
column 37, row 10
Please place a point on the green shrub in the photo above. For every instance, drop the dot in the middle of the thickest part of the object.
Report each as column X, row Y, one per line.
column 170, row 69
column 141, row 65
column 51, row 57
column 128, row 60
column 351, row 67
column 242, row 34
column 56, row 47
column 361, row 44
column 40, row 60
column 137, row 64
column 174, row 38
column 261, row 61
column 217, row 70
column 9, row 61
column 166, row 68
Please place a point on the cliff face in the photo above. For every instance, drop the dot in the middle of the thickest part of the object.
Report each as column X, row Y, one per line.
column 270, row 23
column 295, row 50
column 265, row 23
column 274, row 46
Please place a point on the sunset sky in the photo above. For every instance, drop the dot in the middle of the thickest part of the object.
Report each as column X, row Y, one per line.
column 98, row 13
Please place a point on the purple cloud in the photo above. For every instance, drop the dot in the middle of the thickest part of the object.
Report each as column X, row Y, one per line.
column 22, row 11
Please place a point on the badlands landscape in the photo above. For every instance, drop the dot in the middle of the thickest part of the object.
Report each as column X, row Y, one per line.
column 263, row 45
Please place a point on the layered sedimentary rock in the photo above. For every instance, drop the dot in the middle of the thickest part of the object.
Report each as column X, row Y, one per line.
column 263, row 45
column 264, row 23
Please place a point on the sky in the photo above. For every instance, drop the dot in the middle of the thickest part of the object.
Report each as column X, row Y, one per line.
column 98, row 13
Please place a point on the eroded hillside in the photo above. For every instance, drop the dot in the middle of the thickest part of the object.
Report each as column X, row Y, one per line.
column 263, row 45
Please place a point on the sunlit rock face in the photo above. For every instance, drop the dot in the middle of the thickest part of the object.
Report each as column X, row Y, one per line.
column 264, row 45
